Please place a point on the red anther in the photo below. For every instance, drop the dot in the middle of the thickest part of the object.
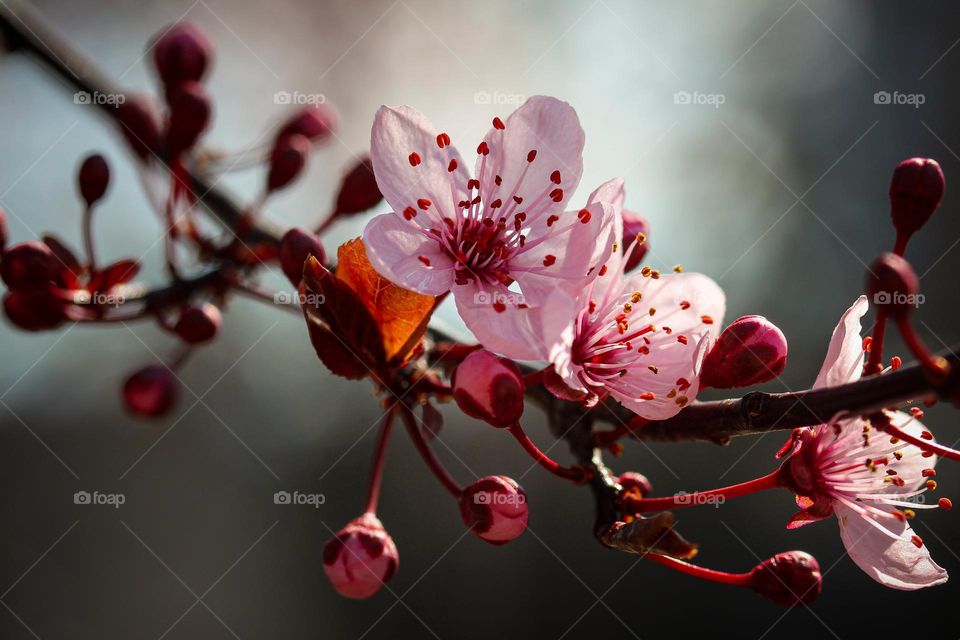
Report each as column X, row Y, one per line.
column 895, row 362
column 892, row 285
column 29, row 266
column 138, row 122
column 360, row 558
column 945, row 503
column 443, row 140
column 584, row 216
column 498, row 124
column 867, row 343
column 549, row 260
column 749, row 351
column 551, row 219
column 452, row 166
column 151, row 391
column 647, row 395
column 499, row 307
column 483, row 149
column 423, row 203
column 295, row 247
column 555, row 177
column 929, row 473
column 414, row 159
column 190, row 112
column 917, row 412
column 706, row 319
column 358, row 191
column 603, row 271
column 495, row 509
column 473, row 183
column 917, row 541
column 519, row 200
column 93, row 178
column 315, row 123
column 424, row 259
column 409, row 213
column 556, row 195
column 916, row 190
column 489, row 388
column 287, row 160
column 198, row 324
column 531, row 155
column 496, row 204
column 181, row 53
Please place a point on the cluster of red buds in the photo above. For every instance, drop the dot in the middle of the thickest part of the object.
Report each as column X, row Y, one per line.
column 862, row 464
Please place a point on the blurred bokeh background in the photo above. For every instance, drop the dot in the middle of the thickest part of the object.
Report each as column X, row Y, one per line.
column 779, row 193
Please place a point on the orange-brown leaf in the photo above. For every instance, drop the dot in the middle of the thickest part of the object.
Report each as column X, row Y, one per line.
column 400, row 313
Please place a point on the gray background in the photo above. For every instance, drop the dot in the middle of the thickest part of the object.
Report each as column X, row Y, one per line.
column 779, row 194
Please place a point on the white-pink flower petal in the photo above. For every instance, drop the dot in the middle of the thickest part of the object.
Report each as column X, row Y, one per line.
column 407, row 257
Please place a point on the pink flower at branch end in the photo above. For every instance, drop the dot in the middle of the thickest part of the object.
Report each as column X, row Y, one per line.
column 640, row 338
column 867, row 480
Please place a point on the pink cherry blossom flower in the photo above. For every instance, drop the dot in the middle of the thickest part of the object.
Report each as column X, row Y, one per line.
column 864, row 477
column 639, row 338
column 500, row 241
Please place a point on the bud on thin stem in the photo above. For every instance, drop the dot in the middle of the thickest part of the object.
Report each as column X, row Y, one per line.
column 749, row 351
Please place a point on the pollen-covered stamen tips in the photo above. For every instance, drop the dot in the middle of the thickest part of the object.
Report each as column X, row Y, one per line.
column 491, row 224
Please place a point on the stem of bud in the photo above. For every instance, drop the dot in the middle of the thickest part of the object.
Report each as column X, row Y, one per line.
column 712, row 575
column 636, row 506
column 379, row 458
column 576, row 474
column 426, row 453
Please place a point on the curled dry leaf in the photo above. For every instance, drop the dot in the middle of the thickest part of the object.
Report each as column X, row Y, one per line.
column 650, row 535
column 342, row 331
column 400, row 314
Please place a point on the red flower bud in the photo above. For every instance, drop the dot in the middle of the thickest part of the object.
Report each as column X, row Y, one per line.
column 315, row 123
column 489, row 388
column 181, row 53
column 287, row 160
column 151, row 391
column 916, row 190
column 631, row 481
column 295, row 247
column 749, row 351
column 34, row 310
column 788, row 578
column 495, row 509
column 634, row 224
column 29, row 265
column 93, row 178
column 361, row 558
column 190, row 111
column 892, row 285
column 137, row 118
column 358, row 191
column 198, row 324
